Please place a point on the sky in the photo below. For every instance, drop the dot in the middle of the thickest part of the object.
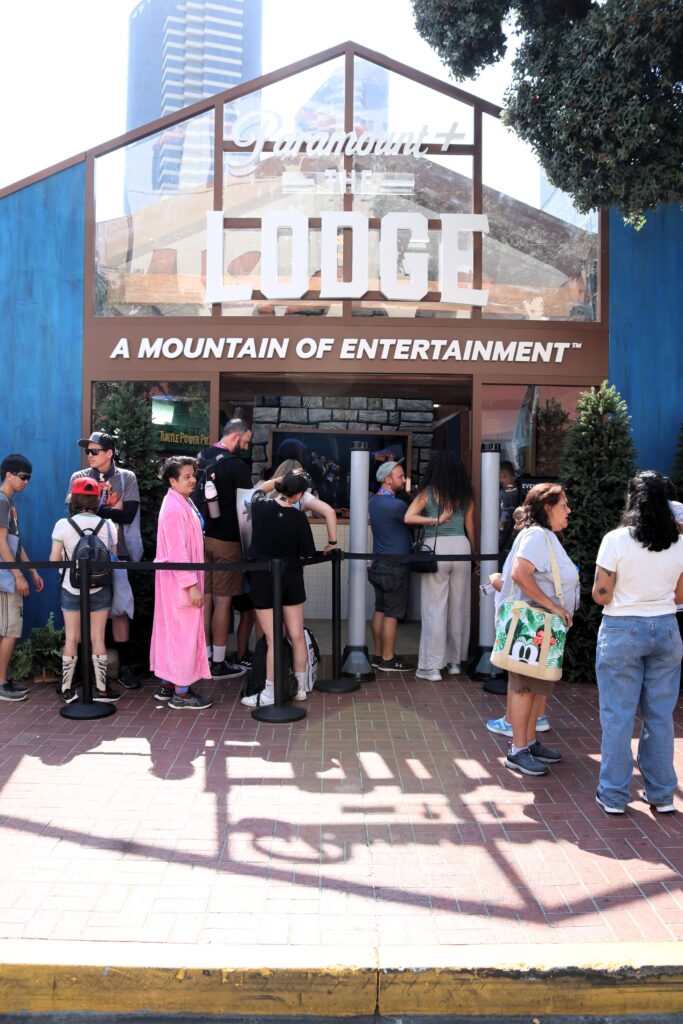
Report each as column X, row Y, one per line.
column 63, row 66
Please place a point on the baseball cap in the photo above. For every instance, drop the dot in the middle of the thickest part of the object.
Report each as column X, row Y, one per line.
column 385, row 469
column 85, row 485
column 99, row 437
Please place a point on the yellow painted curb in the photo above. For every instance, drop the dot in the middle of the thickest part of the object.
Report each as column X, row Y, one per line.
column 315, row 981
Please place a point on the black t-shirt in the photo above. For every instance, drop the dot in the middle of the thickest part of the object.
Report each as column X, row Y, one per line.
column 279, row 531
column 230, row 472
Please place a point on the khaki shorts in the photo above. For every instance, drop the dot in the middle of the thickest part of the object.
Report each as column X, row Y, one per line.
column 11, row 615
column 223, row 584
column 527, row 684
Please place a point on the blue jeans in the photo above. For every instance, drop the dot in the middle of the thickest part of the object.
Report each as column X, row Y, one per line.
column 638, row 661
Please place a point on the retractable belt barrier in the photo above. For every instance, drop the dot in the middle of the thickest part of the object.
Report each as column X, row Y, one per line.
column 280, row 711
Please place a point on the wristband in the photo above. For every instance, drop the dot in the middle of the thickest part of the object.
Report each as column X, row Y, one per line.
column 332, row 542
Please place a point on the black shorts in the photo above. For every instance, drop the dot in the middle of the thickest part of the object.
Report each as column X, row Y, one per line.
column 261, row 588
column 391, row 583
column 243, row 603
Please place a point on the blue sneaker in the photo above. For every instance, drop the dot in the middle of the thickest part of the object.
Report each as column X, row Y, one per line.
column 543, row 725
column 500, row 726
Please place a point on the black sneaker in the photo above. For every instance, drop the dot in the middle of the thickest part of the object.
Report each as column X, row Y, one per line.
column 16, row 687
column 376, row 660
column 164, row 692
column 7, row 692
column 107, row 696
column 226, row 670
column 525, row 763
column 128, row 679
column 394, row 664
column 70, row 695
column 544, row 754
column 190, row 701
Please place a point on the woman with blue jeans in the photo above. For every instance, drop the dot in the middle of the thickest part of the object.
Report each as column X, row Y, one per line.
column 639, row 581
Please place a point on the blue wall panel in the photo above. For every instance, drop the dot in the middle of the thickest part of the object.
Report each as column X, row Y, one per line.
column 646, row 330
column 41, row 347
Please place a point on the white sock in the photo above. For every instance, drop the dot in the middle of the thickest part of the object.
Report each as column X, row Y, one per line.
column 218, row 653
column 516, row 750
column 269, row 689
column 301, row 681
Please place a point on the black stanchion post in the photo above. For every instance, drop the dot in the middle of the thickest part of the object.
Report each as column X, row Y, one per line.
column 280, row 711
column 336, row 684
column 86, row 708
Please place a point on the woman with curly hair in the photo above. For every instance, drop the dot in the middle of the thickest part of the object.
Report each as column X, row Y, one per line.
column 444, row 506
column 639, row 581
column 528, row 576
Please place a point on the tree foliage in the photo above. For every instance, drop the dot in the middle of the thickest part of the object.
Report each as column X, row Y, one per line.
column 596, row 88
column 598, row 461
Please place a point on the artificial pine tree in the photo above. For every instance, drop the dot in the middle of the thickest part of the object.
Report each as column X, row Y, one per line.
column 598, row 461
column 552, row 425
column 677, row 468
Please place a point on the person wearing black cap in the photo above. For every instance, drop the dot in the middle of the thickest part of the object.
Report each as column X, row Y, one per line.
column 390, row 580
column 119, row 502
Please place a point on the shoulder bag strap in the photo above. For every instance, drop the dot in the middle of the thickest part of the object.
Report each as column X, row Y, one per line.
column 554, row 568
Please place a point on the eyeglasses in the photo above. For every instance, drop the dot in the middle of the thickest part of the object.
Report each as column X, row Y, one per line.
column 24, row 476
column 94, row 451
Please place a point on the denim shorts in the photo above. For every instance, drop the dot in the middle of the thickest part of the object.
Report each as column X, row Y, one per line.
column 100, row 600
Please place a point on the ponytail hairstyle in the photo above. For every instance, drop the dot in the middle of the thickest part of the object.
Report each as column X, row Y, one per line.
column 648, row 514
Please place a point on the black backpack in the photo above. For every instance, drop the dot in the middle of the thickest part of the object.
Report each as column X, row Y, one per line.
column 256, row 680
column 90, row 546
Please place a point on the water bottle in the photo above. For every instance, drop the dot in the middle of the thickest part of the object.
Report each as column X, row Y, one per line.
column 211, row 495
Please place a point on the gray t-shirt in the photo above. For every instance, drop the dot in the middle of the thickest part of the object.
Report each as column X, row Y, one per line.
column 532, row 544
column 8, row 516
column 119, row 485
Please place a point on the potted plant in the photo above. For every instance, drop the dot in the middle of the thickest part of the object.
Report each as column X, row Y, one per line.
column 39, row 656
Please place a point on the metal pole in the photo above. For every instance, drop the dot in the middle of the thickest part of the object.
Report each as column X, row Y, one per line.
column 280, row 711
column 86, row 708
column 490, row 516
column 355, row 661
column 336, row 684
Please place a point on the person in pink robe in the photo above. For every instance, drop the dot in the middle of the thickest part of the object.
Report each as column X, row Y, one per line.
column 178, row 650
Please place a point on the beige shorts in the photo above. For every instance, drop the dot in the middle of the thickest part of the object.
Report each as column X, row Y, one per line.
column 223, row 584
column 527, row 684
column 11, row 615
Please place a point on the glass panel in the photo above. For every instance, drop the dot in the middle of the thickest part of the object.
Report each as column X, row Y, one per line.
column 429, row 307
column 274, row 183
column 180, row 412
column 242, row 265
column 384, row 184
column 531, row 425
column 151, row 200
column 540, row 258
column 386, row 103
column 311, row 101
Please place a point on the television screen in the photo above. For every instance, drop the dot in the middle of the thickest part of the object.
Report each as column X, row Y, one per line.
column 326, row 456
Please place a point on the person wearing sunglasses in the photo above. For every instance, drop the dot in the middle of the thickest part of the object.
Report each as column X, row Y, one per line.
column 119, row 502
column 15, row 471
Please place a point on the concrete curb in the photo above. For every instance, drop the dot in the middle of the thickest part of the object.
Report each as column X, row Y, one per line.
column 122, row 978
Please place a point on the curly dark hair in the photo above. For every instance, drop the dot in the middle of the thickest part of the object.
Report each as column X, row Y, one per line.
column 537, row 502
column 648, row 514
column 448, row 480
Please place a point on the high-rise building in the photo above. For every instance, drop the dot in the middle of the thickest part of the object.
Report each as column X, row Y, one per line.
column 179, row 52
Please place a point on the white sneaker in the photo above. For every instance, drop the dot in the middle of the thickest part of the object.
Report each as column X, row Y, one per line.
column 301, row 695
column 257, row 700
column 432, row 675
column 453, row 668
column 666, row 807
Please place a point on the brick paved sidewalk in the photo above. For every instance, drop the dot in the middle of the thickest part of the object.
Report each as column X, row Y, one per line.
column 385, row 818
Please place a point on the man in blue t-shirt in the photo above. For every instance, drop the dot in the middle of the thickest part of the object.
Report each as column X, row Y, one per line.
column 390, row 580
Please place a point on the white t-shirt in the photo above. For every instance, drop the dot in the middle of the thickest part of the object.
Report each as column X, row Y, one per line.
column 532, row 544
column 646, row 580
column 68, row 538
